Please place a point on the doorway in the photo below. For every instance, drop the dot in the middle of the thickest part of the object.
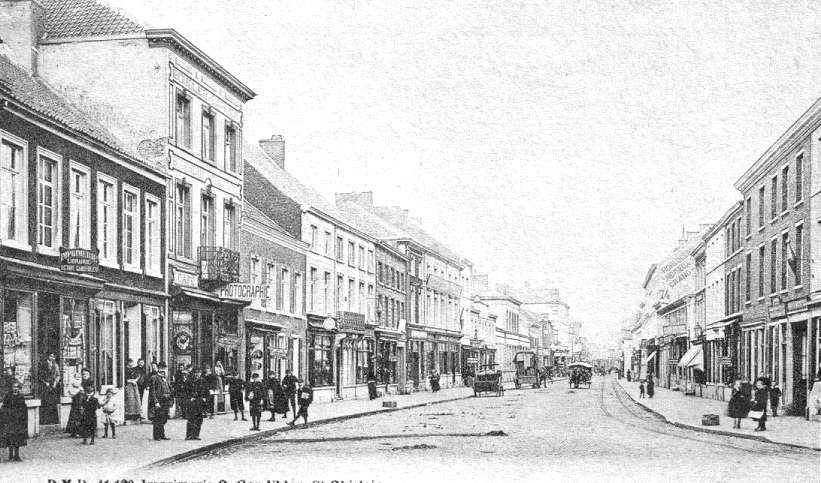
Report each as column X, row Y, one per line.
column 799, row 372
column 48, row 342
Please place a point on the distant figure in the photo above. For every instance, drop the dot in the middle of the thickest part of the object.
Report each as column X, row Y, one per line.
column 629, row 375
column 651, row 386
column 641, row 389
column 305, row 395
column 761, row 397
column 235, row 390
column 255, row 396
column 739, row 405
column 775, row 398
column 159, row 402
column 14, row 422
column 289, row 383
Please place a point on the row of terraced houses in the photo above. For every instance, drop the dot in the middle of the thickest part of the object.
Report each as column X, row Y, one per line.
column 741, row 298
column 136, row 223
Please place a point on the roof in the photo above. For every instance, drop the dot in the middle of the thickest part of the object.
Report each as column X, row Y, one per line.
column 34, row 94
column 85, row 18
column 252, row 213
column 494, row 295
column 369, row 222
column 416, row 233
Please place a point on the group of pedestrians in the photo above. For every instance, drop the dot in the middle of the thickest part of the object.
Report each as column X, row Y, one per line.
column 754, row 403
column 273, row 396
column 646, row 385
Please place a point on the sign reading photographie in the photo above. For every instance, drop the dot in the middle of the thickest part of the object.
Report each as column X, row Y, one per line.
column 79, row 260
column 244, row 291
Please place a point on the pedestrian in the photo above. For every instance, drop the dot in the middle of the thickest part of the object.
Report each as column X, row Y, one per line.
column 7, row 381
column 739, row 406
column 289, row 383
column 629, row 375
column 305, row 395
column 142, row 378
column 761, row 397
column 109, row 406
column 179, row 388
column 236, row 387
column 641, row 389
column 775, row 398
column 77, row 395
column 255, row 396
column 159, row 400
column 196, row 405
column 651, row 386
column 277, row 402
column 88, row 424
column 14, row 421
column 434, row 380
column 132, row 396
column 372, row 386
column 219, row 384
column 213, row 383
column 49, row 377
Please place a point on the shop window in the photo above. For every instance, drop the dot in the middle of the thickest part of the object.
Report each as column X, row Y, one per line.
column 107, row 339
column 153, row 334
column 386, row 356
column 74, row 329
column 320, row 361
column 181, row 338
column 256, row 355
column 17, row 337
column 364, row 353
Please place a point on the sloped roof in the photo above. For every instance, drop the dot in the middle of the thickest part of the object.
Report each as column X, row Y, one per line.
column 252, row 213
column 369, row 222
column 288, row 184
column 417, row 233
column 34, row 94
column 85, row 18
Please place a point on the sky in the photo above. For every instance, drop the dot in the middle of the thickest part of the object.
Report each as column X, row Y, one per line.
column 565, row 143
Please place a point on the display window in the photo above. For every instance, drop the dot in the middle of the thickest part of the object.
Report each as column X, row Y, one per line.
column 74, row 354
column 364, row 355
column 320, row 360
column 17, row 337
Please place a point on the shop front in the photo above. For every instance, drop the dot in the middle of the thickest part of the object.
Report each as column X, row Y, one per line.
column 388, row 359
column 341, row 356
column 417, row 359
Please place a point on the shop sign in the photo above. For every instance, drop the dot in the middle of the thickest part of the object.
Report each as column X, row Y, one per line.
column 182, row 341
column 392, row 359
column 184, row 278
column 244, row 291
column 418, row 334
column 472, row 360
column 329, row 324
column 79, row 260
column 672, row 362
column 727, row 361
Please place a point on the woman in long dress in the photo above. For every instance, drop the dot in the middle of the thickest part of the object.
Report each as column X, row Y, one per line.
column 133, row 402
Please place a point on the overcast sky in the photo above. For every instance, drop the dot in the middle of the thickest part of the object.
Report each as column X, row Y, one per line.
column 566, row 142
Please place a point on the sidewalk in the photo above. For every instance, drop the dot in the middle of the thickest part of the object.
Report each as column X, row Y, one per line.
column 686, row 411
column 134, row 447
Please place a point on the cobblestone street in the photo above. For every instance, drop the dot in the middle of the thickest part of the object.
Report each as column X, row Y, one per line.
column 555, row 432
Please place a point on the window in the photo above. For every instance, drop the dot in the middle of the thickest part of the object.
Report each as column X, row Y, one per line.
column 773, row 263
column 16, row 350
column 106, row 219
column 48, row 206
column 370, row 261
column 747, row 275
column 313, row 237
column 339, row 295
column 229, row 228
column 326, row 293
column 13, row 191
column 799, row 182
column 79, row 208
column 370, row 302
column 269, row 277
column 207, row 216
column 312, row 290
column 364, row 353
column 361, row 257
column 131, row 228
column 785, row 244
column 153, row 334
column 208, row 136
column 297, row 305
column 351, row 254
column 182, row 218
column 152, row 235
column 340, row 249
column 328, row 243
column 107, row 338
column 350, row 294
column 774, row 198
column 761, row 207
column 379, row 272
column 361, row 297
column 286, row 300
column 231, row 148
column 182, row 121
column 785, row 191
column 748, row 216
column 761, row 255
column 320, row 361
column 255, row 270
column 798, row 253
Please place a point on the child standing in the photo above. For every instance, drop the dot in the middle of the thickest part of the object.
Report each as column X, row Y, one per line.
column 641, row 389
column 14, row 422
column 305, row 396
column 235, row 388
column 739, row 405
column 775, row 398
column 256, row 393
column 109, row 405
column 88, row 424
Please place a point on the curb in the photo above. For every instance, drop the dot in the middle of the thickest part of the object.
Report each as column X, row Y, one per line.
column 713, row 431
column 190, row 454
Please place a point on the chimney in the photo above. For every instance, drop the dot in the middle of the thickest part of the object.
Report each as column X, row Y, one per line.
column 275, row 149
column 21, row 25
column 362, row 198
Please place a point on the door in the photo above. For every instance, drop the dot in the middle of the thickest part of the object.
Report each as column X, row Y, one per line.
column 48, row 343
column 799, row 372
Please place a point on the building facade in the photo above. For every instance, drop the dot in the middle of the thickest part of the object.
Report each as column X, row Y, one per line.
column 512, row 335
column 82, row 264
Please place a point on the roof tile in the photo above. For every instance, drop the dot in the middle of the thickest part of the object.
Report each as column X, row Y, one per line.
column 85, row 18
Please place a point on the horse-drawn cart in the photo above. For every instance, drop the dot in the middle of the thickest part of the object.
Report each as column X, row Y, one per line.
column 488, row 380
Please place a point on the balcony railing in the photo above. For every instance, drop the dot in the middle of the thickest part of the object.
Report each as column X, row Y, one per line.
column 218, row 265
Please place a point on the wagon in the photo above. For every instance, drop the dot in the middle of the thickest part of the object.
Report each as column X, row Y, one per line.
column 488, row 381
column 580, row 373
column 527, row 369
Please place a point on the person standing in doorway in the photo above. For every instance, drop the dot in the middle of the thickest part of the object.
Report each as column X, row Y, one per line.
column 159, row 400
column 49, row 380
column 289, row 383
column 629, row 375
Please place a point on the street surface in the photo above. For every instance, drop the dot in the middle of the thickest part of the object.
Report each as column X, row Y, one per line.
column 594, row 434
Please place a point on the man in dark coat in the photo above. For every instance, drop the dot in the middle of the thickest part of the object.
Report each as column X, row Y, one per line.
column 159, row 401
column 305, row 395
column 49, row 379
column 651, row 386
column 235, row 393
column 256, row 395
column 14, row 422
column 196, row 404
column 289, row 386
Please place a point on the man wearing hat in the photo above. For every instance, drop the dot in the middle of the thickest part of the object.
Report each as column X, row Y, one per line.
column 159, row 401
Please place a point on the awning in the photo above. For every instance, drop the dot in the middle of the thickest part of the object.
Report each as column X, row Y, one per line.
column 694, row 357
column 650, row 357
column 207, row 296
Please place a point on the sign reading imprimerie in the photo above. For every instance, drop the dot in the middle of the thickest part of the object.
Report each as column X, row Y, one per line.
column 79, row 260
column 244, row 291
